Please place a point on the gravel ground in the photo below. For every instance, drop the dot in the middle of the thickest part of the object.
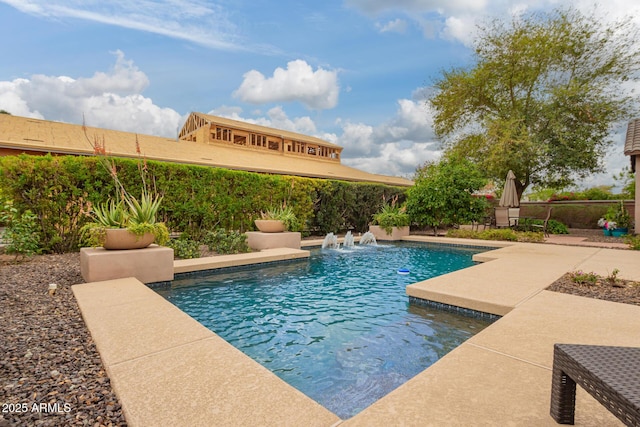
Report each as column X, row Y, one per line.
column 594, row 235
column 50, row 371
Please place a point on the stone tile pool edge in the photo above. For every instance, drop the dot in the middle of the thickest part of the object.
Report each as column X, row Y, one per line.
column 160, row 360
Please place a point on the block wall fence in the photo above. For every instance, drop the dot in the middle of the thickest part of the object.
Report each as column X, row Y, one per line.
column 574, row 213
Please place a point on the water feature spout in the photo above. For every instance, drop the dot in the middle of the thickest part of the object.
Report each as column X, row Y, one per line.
column 330, row 241
column 368, row 239
column 348, row 240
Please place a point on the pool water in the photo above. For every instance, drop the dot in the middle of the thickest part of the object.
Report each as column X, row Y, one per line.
column 337, row 326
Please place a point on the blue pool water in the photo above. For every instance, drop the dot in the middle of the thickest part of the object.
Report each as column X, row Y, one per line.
column 337, row 326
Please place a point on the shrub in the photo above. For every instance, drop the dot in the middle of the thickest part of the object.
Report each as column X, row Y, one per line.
column 340, row 206
column 530, row 236
column 226, row 242
column 391, row 216
column 443, row 193
column 553, row 226
column 61, row 190
column 499, row 234
column 184, row 247
column 505, row 234
column 583, row 278
column 21, row 231
column 463, row 233
column 633, row 241
column 556, row 227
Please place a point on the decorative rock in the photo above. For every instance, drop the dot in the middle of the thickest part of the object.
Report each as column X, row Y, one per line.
column 48, row 354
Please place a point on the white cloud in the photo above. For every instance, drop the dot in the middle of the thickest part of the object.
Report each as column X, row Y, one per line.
column 458, row 19
column 396, row 26
column 461, row 28
column 395, row 147
column 110, row 99
column 317, row 90
column 358, row 140
column 197, row 21
column 395, row 159
column 442, row 6
column 11, row 101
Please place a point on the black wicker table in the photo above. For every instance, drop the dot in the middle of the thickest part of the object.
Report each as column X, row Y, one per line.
column 610, row 374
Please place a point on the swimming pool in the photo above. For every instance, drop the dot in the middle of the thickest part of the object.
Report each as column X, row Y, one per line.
column 337, row 326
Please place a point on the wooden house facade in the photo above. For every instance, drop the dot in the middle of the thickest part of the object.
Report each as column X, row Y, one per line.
column 209, row 129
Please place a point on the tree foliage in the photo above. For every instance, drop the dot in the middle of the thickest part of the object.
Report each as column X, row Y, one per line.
column 542, row 97
column 443, row 193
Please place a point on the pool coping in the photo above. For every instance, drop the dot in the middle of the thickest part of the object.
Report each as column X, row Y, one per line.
column 160, row 360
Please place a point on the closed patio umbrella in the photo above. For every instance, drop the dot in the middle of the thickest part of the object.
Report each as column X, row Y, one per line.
column 509, row 198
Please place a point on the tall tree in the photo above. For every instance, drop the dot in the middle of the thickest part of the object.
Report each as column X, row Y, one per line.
column 542, row 97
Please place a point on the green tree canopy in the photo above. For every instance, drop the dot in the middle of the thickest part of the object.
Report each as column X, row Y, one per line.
column 443, row 193
column 542, row 97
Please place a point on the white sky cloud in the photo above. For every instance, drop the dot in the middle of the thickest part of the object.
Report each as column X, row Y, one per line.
column 395, row 26
column 442, row 6
column 458, row 19
column 317, row 90
column 110, row 99
column 202, row 22
column 395, row 147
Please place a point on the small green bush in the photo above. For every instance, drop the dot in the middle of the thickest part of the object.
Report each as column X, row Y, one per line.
column 553, row 226
column 222, row 241
column 499, row 234
column 633, row 241
column 463, row 233
column 184, row 247
column 505, row 234
column 556, row 227
column 583, row 278
column 21, row 231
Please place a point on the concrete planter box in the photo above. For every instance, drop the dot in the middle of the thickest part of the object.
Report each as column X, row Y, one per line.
column 258, row 240
column 397, row 233
column 148, row 265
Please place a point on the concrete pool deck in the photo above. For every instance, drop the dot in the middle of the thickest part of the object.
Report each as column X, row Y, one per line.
column 167, row 369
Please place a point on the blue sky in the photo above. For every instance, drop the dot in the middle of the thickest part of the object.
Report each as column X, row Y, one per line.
column 353, row 72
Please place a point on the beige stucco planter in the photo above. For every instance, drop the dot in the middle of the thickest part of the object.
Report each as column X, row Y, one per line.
column 270, row 225
column 397, row 233
column 121, row 238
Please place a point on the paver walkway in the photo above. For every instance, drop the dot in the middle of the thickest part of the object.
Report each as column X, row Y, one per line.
column 168, row 370
column 563, row 239
column 502, row 376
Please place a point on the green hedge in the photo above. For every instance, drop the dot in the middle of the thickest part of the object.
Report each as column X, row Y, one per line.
column 60, row 190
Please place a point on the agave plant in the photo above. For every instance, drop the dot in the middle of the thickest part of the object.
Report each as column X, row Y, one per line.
column 111, row 214
column 283, row 213
column 391, row 216
column 143, row 211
